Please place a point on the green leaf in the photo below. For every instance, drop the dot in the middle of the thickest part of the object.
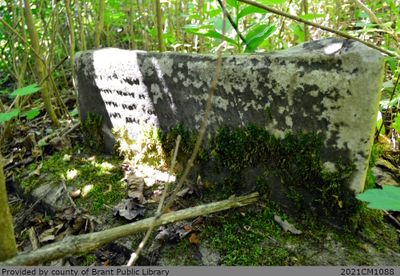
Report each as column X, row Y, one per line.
column 387, row 198
column 74, row 112
column 379, row 123
column 396, row 123
column 257, row 35
column 298, row 31
column 250, row 10
column 31, row 114
column 218, row 22
column 5, row 116
column 195, row 27
column 211, row 33
column 232, row 3
column 27, row 90
column 392, row 62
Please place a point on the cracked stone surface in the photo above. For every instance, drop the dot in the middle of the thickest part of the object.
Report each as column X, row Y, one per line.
column 329, row 86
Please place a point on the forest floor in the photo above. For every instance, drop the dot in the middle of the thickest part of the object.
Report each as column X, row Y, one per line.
column 59, row 188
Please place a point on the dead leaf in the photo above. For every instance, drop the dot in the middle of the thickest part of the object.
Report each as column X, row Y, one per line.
column 75, row 194
column 60, row 143
column 36, row 172
column 137, row 195
column 187, row 228
column 183, row 192
column 67, row 158
column 198, row 221
column 193, row 239
column 129, row 209
column 50, row 234
column 189, row 191
column 135, row 187
column 109, row 188
column 286, row 226
column 36, row 152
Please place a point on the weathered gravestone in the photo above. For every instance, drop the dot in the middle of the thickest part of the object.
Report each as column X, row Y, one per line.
column 330, row 87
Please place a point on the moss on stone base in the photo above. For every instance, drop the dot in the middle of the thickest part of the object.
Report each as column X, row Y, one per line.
column 92, row 132
column 288, row 170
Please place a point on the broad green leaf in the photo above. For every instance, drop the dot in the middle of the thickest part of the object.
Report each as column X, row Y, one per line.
column 387, row 198
column 311, row 16
column 74, row 112
column 218, row 22
column 27, row 90
column 392, row 62
column 196, row 27
column 379, row 123
column 213, row 13
column 396, row 123
column 193, row 17
column 257, row 35
column 152, row 32
column 271, row 2
column 395, row 101
column 298, row 31
column 250, row 10
column 5, row 116
column 232, row 3
column 211, row 33
column 31, row 114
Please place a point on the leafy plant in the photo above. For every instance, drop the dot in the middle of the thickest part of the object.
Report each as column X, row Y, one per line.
column 5, row 116
column 396, row 123
column 257, row 35
column 30, row 114
column 387, row 198
column 27, row 90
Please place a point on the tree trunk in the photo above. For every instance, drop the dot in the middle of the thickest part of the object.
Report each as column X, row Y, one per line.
column 40, row 66
column 8, row 247
column 99, row 25
column 71, row 35
column 159, row 26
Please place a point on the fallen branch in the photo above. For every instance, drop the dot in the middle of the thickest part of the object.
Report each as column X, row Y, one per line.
column 78, row 245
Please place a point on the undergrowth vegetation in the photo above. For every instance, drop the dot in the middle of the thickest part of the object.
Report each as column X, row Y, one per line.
column 98, row 178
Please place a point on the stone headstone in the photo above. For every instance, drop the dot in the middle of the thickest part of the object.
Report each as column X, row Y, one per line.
column 329, row 86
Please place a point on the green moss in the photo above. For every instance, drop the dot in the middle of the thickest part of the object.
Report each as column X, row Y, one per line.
column 249, row 237
column 92, row 132
column 181, row 253
column 98, row 178
column 88, row 260
column 292, row 165
column 295, row 162
column 186, row 146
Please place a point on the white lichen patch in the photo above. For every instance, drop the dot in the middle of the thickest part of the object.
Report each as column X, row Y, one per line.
column 156, row 92
column 288, row 121
column 221, row 103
